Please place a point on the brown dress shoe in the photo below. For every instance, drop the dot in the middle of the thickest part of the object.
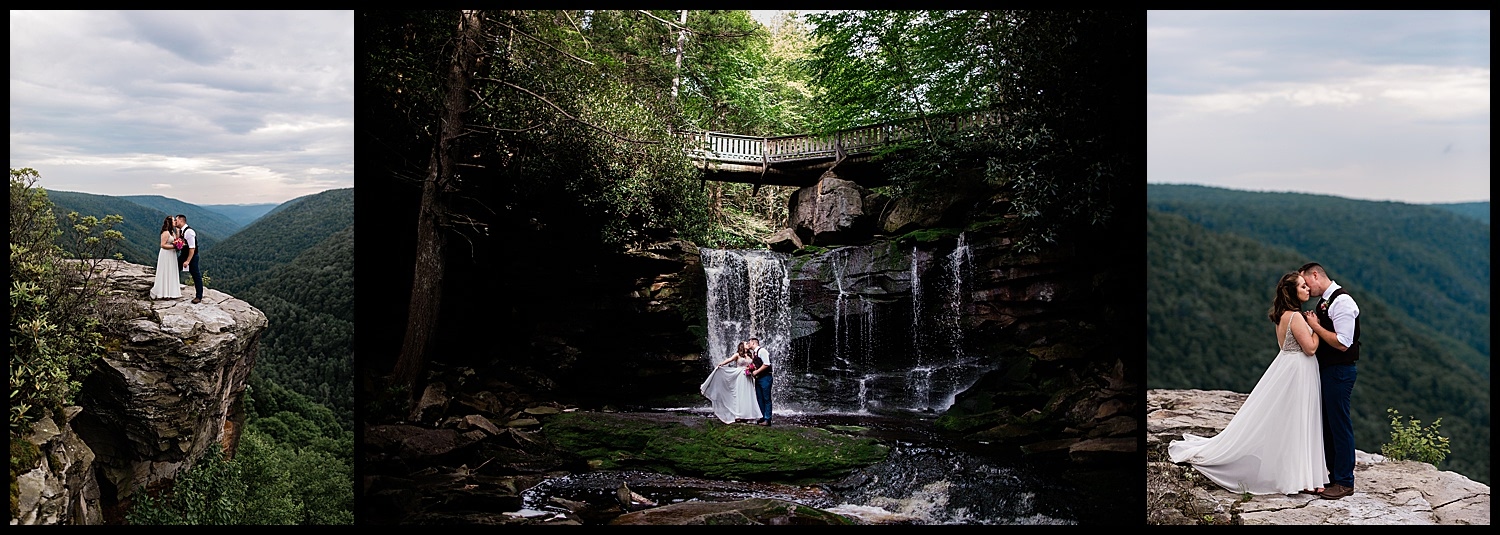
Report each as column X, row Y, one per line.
column 197, row 300
column 1336, row 491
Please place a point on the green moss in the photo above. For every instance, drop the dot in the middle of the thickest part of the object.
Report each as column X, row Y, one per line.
column 23, row 458
column 928, row 235
column 687, row 446
column 810, row 250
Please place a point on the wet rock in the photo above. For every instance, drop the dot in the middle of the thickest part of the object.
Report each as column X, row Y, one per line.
column 752, row 512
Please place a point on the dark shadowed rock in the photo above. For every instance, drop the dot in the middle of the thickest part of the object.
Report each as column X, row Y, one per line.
column 752, row 512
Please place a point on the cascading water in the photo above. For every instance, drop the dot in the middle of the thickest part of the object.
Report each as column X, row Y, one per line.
column 854, row 363
column 748, row 297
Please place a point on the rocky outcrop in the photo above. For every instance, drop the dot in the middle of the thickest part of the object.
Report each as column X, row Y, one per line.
column 168, row 387
column 1385, row 491
column 61, row 488
column 832, row 211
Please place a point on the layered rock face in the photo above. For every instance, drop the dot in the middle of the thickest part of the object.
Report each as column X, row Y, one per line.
column 169, row 386
column 1385, row 491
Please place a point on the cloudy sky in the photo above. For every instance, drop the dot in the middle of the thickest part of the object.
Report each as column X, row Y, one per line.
column 1378, row 105
column 214, row 107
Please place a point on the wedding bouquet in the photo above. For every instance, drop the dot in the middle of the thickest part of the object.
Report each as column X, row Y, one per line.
column 178, row 243
column 750, row 371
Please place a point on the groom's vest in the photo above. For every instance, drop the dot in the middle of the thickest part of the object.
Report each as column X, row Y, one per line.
column 1327, row 354
column 182, row 254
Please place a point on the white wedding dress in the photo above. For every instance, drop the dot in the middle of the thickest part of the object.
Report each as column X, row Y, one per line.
column 731, row 392
column 168, row 281
column 1274, row 444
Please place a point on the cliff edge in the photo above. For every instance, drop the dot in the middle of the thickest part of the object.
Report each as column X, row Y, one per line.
column 169, row 386
column 1385, row 491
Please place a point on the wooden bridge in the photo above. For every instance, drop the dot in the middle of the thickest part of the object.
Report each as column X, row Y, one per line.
column 800, row 160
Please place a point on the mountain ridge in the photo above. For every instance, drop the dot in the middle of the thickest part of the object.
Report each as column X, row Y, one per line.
column 1208, row 291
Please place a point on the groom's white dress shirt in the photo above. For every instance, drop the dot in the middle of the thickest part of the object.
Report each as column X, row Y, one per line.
column 1342, row 311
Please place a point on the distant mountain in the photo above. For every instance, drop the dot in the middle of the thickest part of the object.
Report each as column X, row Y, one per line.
column 298, row 268
column 1427, row 261
column 141, row 227
column 241, row 214
column 1476, row 210
column 1213, row 256
column 201, row 219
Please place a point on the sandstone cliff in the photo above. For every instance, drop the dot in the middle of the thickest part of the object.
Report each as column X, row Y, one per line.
column 1385, row 491
column 169, row 386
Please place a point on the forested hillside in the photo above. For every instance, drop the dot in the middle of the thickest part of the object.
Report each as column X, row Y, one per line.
column 297, row 266
column 201, row 219
column 1208, row 292
column 141, row 227
column 1476, row 210
column 1430, row 262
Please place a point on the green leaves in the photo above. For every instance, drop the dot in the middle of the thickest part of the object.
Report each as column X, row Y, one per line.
column 1411, row 441
column 54, row 332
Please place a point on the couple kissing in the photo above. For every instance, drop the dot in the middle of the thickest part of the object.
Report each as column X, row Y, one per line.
column 739, row 387
column 1293, row 434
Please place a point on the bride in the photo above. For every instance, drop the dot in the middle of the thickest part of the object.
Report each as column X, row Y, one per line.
column 168, row 281
column 731, row 392
column 1274, row 444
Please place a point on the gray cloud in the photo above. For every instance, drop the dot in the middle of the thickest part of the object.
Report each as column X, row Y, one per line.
column 1375, row 105
column 204, row 106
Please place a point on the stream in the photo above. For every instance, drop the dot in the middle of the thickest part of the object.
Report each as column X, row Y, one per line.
column 926, row 480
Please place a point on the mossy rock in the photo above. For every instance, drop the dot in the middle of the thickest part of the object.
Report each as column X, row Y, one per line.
column 929, row 235
column 705, row 447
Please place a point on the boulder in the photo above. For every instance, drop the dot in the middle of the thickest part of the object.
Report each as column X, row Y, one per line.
column 830, row 212
column 784, row 241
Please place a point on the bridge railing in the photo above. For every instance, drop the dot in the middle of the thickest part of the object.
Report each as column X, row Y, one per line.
column 736, row 148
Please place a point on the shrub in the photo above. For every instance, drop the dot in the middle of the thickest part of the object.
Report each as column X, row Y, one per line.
column 55, row 328
column 1411, row 441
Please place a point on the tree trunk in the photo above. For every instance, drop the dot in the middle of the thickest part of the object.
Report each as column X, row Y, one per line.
column 681, row 42
column 427, row 279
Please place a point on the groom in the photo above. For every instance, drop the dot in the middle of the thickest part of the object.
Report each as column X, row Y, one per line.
column 1336, row 322
column 762, row 375
column 189, row 254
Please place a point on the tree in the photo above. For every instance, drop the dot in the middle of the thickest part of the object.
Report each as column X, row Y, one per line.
column 426, row 294
column 56, row 329
column 1060, row 81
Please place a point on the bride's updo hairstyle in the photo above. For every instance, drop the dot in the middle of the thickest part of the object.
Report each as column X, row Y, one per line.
column 167, row 224
column 1286, row 296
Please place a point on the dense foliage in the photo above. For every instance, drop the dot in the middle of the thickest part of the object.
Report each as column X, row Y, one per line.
column 1207, row 294
column 297, row 267
column 291, row 467
column 1063, row 83
column 55, row 329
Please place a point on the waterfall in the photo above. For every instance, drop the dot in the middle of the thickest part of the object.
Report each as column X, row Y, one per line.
column 955, row 313
column 852, row 363
column 749, row 295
